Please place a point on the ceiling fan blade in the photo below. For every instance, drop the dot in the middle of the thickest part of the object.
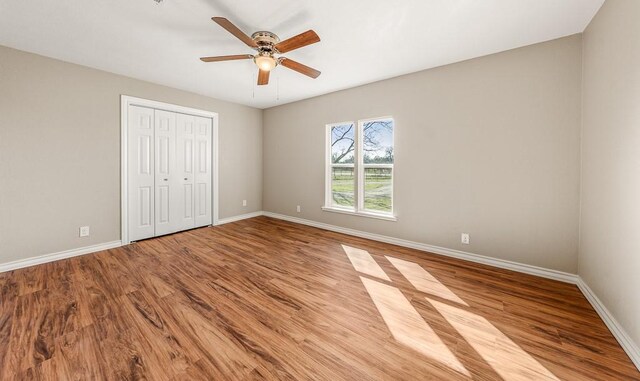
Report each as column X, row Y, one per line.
column 263, row 77
column 300, row 68
column 226, row 58
column 226, row 24
column 303, row 39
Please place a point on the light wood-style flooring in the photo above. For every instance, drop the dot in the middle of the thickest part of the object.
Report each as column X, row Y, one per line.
column 267, row 299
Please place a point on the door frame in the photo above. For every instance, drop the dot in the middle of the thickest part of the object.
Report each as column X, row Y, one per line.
column 125, row 102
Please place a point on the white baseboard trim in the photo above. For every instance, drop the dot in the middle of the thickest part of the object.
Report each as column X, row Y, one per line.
column 239, row 217
column 495, row 262
column 4, row 267
column 57, row 256
column 616, row 329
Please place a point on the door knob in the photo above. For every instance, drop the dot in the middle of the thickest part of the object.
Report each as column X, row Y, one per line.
column 186, row 178
column 165, row 179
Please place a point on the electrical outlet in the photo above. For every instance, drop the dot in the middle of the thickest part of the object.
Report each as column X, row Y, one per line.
column 298, row 208
column 465, row 238
column 244, row 202
column 84, row 231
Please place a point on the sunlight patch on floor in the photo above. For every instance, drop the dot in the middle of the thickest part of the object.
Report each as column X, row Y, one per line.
column 363, row 262
column 510, row 361
column 423, row 281
column 407, row 326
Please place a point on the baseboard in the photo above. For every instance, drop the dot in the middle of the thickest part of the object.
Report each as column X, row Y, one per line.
column 495, row 262
column 616, row 329
column 57, row 256
column 239, row 217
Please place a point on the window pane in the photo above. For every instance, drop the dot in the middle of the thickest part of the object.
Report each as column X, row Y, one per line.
column 378, row 189
column 343, row 186
column 343, row 144
column 377, row 142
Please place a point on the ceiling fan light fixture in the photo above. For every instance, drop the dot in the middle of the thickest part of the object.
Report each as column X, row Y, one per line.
column 266, row 63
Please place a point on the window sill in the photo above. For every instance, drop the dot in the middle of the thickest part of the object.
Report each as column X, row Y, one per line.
column 379, row 216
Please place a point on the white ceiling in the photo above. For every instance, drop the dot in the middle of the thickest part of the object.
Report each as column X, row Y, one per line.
column 362, row 40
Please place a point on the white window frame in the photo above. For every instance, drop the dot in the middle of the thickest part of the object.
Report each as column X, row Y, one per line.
column 359, row 167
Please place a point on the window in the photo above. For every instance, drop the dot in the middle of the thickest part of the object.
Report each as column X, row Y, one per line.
column 359, row 177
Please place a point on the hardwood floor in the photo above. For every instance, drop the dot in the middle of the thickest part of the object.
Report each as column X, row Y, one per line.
column 268, row 299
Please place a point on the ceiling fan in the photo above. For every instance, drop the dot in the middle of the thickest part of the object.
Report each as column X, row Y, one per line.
column 268, row 45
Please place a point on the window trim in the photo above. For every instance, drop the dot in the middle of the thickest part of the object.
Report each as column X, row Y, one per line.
column 379, row 216
column 359, row 167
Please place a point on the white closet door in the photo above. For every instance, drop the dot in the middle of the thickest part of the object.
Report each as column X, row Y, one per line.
column 167, row 181
column 185, row 209
column 140, row 173
column 203, row 172
column 169, row 172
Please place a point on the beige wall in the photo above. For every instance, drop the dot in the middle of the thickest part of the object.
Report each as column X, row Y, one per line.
column 609, row 259
column 488, row 146
column 60, row 152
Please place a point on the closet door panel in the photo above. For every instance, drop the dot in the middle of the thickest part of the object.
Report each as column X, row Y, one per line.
column 203, row 173
column 140, row 170
column 185, row 170
column 167, row 183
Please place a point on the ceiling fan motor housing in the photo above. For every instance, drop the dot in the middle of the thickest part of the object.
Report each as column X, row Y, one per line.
column 266, row 42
